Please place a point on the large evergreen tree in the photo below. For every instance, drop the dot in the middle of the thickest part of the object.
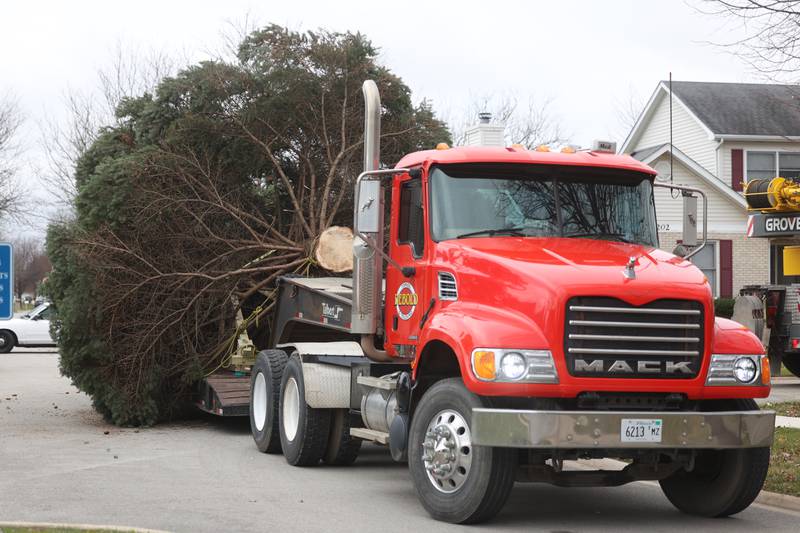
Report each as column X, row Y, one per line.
column 205, row 192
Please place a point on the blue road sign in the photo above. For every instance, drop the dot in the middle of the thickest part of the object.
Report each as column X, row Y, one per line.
column 6, row 281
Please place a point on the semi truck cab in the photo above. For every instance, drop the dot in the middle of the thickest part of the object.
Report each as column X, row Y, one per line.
column 525, row 316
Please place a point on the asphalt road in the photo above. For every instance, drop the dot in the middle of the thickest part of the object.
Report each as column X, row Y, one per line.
column 57, row 464
column 784, row 389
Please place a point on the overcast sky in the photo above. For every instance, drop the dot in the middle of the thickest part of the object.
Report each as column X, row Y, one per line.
column 587, row 57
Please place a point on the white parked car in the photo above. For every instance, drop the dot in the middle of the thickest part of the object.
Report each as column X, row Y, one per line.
column 31, row 329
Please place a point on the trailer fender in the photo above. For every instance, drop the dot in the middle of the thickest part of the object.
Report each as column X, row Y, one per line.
column 326, row 386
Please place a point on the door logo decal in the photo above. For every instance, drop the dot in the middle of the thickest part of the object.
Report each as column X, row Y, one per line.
column 405, row 301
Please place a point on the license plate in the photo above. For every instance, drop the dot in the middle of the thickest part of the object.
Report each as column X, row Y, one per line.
column 640, row 430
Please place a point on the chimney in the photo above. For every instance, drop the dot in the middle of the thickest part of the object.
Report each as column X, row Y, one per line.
column 485, row 133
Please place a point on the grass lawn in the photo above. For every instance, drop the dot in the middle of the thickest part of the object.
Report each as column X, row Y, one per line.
column 784, row 408
column 784, row 466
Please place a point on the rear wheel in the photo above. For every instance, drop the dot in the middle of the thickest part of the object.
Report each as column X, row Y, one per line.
column 265, row 387
column 722, row 482
column 342, row 447
column 456, row 481
column 792, row 363
column 7, row 341
column 304, row 430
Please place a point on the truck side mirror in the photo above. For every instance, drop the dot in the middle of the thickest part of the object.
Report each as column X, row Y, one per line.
column 370, row 204
column 689, row 220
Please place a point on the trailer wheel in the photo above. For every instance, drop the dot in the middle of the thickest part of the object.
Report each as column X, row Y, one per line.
column 342, row 447
column 304, row 430
column 723, row 482
column 456, row 481
column 7, row 341
column 792, row 363
column 265, row 387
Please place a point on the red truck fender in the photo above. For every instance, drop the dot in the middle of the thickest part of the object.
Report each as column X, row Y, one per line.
column 464, row 326
column 732, row 337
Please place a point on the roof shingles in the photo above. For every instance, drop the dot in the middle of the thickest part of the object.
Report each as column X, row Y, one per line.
column 743, row 108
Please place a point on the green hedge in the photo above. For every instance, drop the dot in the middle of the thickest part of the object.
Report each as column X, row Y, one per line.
column 724, row 307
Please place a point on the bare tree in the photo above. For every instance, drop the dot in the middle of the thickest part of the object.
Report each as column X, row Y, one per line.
column 10, row 194
column 30, row 264
column 529, row 124
column 132, row 72
column 771, row 44
column 627, row 110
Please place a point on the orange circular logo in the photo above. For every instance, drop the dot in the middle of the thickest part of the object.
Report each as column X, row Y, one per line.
column 405, row 300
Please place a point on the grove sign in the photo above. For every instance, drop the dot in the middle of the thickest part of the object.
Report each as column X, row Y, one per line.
column 6, row 286
column 773, row 225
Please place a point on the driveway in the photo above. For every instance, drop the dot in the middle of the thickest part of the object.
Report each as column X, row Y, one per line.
column 60, row 462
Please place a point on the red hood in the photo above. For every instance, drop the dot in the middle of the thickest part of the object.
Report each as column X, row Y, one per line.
column 574, row 267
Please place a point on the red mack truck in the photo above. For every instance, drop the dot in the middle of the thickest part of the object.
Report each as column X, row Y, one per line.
column 524, row 316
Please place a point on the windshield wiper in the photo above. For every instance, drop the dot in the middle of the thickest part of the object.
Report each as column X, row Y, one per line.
column 616, row 236
column 492, row 232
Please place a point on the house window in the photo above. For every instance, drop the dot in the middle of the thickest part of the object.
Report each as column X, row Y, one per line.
column 707, row 260
column 767, row 165
column 788, row 165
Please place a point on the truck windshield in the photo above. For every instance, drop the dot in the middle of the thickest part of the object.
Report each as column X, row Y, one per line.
column 542, row 201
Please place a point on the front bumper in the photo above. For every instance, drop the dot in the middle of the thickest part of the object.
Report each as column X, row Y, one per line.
column 515, row 428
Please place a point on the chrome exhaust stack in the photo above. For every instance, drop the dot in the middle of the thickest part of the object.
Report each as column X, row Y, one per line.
column 367, row 267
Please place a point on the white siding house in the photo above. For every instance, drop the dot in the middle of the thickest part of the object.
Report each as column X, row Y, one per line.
column 722, row 135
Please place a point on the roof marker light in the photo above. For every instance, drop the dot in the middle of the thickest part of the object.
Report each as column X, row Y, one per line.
column 604, row 146
column 568, row 150
column 442, row 146
column 542, row 148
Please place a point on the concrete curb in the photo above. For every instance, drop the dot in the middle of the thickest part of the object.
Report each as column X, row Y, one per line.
column 772, row 499
column 782, row 501
column 787, row 422
column 80, row 526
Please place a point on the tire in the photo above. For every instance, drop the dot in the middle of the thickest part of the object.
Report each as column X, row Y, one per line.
column 723, row 482
column 7, row 341
column 342, row 447
column 265, row 388
column 792, row 363
column 304, row 430
column 485, row 474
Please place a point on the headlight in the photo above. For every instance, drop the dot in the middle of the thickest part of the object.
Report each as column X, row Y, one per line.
column 736, row 369
column 522, row 366
column 745, row 370
column 512, row 366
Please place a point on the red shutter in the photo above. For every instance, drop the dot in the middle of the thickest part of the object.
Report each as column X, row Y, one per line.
column 737, row 169
column 726, row 268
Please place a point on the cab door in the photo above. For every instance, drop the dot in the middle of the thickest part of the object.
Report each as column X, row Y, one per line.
column 406, row 297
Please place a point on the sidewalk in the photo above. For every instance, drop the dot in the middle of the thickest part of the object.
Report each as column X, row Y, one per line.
column 787, row 422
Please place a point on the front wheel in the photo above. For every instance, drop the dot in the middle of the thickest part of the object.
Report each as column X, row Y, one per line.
column 456, row 481
column 722, row 482
column 7, row 341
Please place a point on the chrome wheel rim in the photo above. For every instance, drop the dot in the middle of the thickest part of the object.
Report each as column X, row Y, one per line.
column 291, row 409
column 260, row 401
column 447, row 451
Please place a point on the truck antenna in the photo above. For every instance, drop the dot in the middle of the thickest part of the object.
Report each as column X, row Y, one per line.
column 670, row 128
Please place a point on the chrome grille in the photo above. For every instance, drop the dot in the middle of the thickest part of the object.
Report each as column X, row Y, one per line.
column 606, row 337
